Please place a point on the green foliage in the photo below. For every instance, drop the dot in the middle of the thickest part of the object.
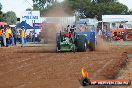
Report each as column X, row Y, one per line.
column 1, row 13
column 10, row 17
column 0, row 6
column 80, row 7
column 88, row 8
column 104, row 1
column 41, row 4
column 130, row 12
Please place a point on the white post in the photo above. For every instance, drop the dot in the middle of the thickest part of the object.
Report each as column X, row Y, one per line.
column 102, row 25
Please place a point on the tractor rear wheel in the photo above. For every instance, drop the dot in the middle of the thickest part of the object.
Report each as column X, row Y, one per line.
column 91, row 46
column 81, row 43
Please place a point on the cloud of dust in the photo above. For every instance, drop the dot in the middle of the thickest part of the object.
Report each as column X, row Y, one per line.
column 57, row 10
column 102, row 45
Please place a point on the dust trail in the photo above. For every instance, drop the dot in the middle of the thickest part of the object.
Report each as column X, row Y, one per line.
column 50, row 29
column 58, row 10
column 102, row 45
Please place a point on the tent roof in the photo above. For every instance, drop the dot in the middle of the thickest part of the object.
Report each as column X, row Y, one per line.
column 116, row 18
column 19, row 25
column 2, row 23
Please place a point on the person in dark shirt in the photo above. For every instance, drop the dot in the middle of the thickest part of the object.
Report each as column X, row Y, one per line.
column 14, row 33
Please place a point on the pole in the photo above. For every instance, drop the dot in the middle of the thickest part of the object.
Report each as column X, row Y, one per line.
column 102, row 25
column 34, row 34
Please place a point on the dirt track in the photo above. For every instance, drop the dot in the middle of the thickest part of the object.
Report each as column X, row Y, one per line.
column 31, row 67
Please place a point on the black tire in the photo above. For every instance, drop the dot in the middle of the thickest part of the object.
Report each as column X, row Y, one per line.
column 81, row 43
column 91, row 46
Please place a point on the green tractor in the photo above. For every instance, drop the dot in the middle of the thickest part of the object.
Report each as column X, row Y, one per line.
column 65, row 42
column 79, row 41
column 75, row 41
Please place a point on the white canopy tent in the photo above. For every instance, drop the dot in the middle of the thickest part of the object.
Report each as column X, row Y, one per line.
column 115, row 20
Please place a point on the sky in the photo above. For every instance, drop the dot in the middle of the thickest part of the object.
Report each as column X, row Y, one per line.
column 18, row 6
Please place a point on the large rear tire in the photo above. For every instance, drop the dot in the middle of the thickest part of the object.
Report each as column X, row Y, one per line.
column 81, row 43
column 91, row 46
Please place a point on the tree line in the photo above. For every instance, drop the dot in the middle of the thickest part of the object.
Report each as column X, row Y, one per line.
column 80, row 8
column 8, row 17
column 87, row 8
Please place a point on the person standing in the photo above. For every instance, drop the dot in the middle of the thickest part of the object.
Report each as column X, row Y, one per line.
column 3, row 35
column 22, row 36
column 1, row 39
column 14, row 36
column 7, row 35
column 19, row 36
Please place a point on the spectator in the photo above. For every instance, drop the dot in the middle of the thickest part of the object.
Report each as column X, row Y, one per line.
column 19, row 36
column 31, row 36
column 14, row 33
column 7, row 34
column 3, row 35
column 120, row 26
column 107, row 35
column 100, row 32
column 22, row 37
column 1, row 39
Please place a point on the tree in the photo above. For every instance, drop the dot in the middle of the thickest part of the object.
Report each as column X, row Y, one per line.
column 10, row 17
column 105, row 1
column 80, row 7
column 1, row 13
column 130, row 12
column 89, row 8
column 42, row 4
column 0, row 6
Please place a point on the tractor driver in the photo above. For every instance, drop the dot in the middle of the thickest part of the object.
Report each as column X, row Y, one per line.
column 67, row 36
column 72, row 29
